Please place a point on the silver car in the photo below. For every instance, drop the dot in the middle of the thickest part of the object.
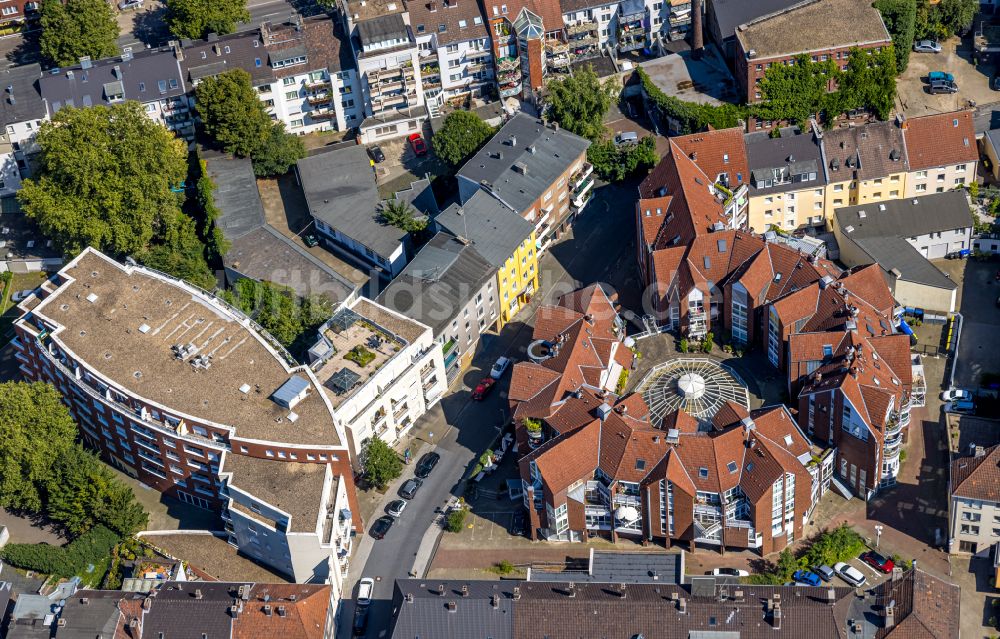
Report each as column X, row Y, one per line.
column 850, row 574
column 927, row 46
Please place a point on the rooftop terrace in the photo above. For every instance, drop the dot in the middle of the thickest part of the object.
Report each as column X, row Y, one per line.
column 128, row 325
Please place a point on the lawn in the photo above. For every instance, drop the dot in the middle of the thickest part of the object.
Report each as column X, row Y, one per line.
column 360, row 356
column 8, row 310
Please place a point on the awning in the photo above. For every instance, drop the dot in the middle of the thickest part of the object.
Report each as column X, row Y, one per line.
column 627, row 514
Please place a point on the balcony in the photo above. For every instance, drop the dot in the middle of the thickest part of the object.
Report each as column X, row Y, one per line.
column 509, row 77
column 583, row 27
column 319, row 98
column 484, row 55
column 510, row 90
column 578, row 178
column 507, row 64
column 317, row 84
column 556, row 47
column 581, row 193
column 323, row 114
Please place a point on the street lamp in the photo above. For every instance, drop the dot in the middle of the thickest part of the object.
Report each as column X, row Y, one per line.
column 878, row 534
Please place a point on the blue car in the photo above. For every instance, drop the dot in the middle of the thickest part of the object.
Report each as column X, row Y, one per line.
column 806, row 577
column 940, row 76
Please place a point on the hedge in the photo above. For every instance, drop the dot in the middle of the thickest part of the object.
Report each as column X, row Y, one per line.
column 691, row 116
column 63, row 561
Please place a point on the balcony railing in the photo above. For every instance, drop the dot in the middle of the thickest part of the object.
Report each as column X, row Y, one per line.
column 506, row 64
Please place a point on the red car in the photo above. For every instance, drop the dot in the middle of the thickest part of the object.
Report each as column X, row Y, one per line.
column 483, row 389
column 418, row 144
column 878, row 562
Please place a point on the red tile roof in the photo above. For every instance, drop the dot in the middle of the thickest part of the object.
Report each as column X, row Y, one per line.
column 718, row 151
column 304, row 618
column 977, row 477
column 940, row 140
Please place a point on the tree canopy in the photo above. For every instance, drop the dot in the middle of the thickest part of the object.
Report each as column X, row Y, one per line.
column 232, row 112
column 580, row 102
column 197, row 18
column 292, row 321
column 615, row 162
column 77, row 28
column 234, row 117
column 44, row 470
column 400, row 214
column 944, row 18
column 900, row 17
column 109, row 177
column 461, row 135
column 380, row 463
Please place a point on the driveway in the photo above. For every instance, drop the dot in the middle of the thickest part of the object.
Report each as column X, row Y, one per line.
column 977, row 297
column 463, row 428
column 913, row 98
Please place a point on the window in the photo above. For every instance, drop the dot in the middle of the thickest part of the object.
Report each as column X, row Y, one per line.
column 960, row 167
column 288, row 81
column 731, row 467
column 296, row 123
column 291, row 95
column 921, row 188
column 703, row 472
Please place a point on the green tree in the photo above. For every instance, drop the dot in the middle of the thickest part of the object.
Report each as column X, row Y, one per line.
column 35, row 430
column 900, row 17
column 580, row 102
column 380, row 462
column 786, row 565
column 616, row 162
column 400, row 214
column 87, row 493
column 456, row 520
column 869, row 82
column 77, row 28
column 461, row 135
column 104, row 179
column 839, row 544
column 181, row 253
column 796, row 91
column 279, row 152
column 276, row 308
column 197, row 18
column 952, row 16
column 232, row 113
column 216, row 244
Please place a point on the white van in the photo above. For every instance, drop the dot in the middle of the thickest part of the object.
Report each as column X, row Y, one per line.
column 627, row 137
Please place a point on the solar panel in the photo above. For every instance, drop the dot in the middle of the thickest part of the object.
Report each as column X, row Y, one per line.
column 344, row 380
column 343, row 320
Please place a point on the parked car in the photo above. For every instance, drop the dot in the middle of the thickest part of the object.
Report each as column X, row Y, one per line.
column 418, row 144
column 850, row 574
column 500, row 367
column 806, row 578
column 938, row 76
column 483, row 388
column 627, row 137
column 927, row 46
column 729, row 572
column 878, row 561
column 382, row 526
column 410, row 488
column 825, row 572
column 366, row 587
column 310, row 240
column 995, row 83
column 396, row 507
column 956, row 394
column 426, row 465
column 961, row 407
column 130, row 4
column 375, row 153
column 360, row 621
column 21, row 295
column 943, row 86
column 517, row 524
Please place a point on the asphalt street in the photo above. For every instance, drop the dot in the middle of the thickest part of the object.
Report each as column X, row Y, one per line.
column 463, row 428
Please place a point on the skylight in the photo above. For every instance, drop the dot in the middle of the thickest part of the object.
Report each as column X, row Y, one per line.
column 732, row 466
column 703, row 472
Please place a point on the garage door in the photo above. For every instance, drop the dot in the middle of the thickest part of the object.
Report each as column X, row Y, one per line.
column 937, row 251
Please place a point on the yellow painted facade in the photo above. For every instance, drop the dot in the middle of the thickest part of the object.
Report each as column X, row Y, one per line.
column 853, row 192
column 517, row 280
column 788, row 211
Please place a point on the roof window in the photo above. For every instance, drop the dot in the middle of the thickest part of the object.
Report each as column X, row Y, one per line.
column 703, row 472
column 731, row 466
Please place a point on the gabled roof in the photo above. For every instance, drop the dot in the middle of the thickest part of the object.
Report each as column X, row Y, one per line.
column 977, row 477
column 20, row 100
column 925, row 607
column 462, row 20
column 719, row 151
column 872, row 150
column 940, row 140
column 492, row 229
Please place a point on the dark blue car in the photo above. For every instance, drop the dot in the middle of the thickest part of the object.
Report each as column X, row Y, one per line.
column 806, row 577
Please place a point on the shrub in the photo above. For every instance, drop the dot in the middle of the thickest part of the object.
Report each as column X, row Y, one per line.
column 380, row 462
column 840, row 544
column 455, row 520
column 684, row 346
column 707, row 343
column 64, row 561
column 503, row 567
column 532, row 425
column 622, row 382
column 360, row 356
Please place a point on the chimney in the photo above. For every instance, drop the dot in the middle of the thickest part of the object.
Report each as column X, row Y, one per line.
column 234, row 611
column 697, row 40
column 409, row 597
column 440, row 590
column 831, row 595
column 517, row 593
column 197, row 593
column 890, row 614
column 621, row 590
column 147, row 603
column 571, row 589
column 178, row 51
column 452, row 606
column 282, row 611
column 465, row 591
column 776, row 616
column 84, row 600
column 494, row 600
column 682, row 606
column 267, row 610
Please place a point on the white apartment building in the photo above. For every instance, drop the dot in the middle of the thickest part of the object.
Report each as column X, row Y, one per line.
column 456, row 56
column 942, row 151
column 186, row 394
column 974, row 518
column 388, row 63
column 302, row 70
column 380, row 370
column 22, row 112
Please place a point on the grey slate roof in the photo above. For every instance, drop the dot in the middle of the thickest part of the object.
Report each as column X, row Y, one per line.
column 382, row 28
column 492, row 229
column 20, row 100
column 911, row 217
column 257, row 250
column 340, row 190
column 420, row 196
column 897, row 253
column 423, row 612
column 146, row 77
column 730, row 14
column 801, row 151
column 993, row 138
column 178, row 613
column 623, row 567
column 440, row 280
column 205, row 58
column 91, row 613
column 554, row 152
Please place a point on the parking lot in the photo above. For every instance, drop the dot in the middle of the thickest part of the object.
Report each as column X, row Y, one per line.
column 913, row 97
